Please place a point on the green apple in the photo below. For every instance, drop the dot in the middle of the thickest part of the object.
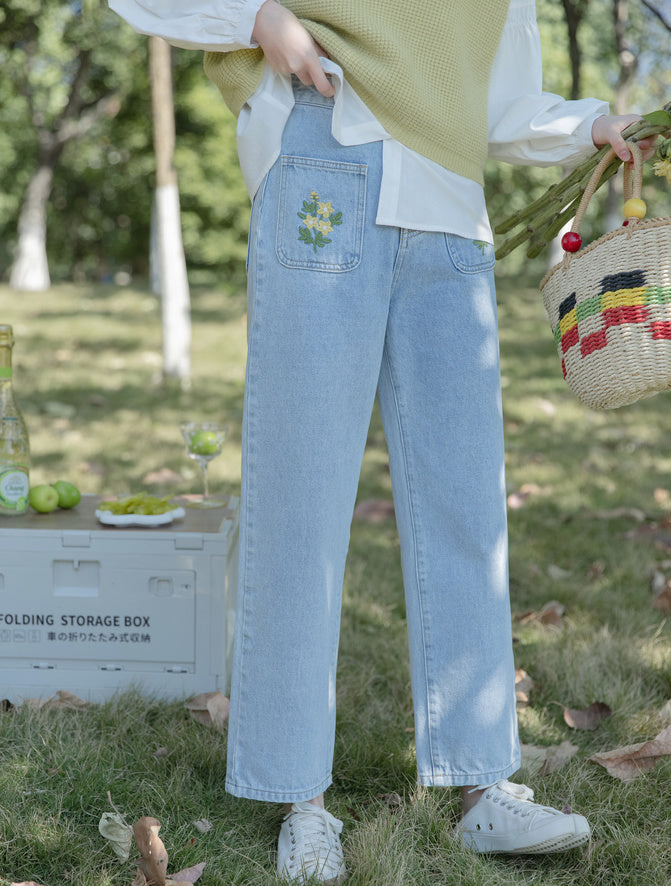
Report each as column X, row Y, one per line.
column 43, row 498
column 68, row 494
column 204, row 443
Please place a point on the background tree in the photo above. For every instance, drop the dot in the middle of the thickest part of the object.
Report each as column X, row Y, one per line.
column 51, row 47
column 173, row 284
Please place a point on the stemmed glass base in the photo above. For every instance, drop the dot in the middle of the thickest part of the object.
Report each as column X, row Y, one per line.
column 203, row 441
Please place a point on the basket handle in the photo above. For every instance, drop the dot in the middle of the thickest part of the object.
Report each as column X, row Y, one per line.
column 633, row 177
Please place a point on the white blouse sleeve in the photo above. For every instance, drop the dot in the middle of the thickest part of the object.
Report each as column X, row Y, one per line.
column 527, row 125
column 217, row 25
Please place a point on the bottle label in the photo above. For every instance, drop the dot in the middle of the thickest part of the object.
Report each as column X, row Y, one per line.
column 14, row 487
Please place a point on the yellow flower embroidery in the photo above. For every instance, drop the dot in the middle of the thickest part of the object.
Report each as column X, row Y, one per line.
column 318, row 220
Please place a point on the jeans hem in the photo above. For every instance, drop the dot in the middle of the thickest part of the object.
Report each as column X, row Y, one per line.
column 447, row 780
column 277, row 796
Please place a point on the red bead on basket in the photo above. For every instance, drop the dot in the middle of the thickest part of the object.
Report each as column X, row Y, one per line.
column 571, row 241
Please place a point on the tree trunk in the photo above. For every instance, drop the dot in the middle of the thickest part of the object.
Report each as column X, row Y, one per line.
column 170, row 262
column 30, row 271
column 628, row 64
column 574, row 12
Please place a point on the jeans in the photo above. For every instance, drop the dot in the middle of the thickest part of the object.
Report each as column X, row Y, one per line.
column 341, row 309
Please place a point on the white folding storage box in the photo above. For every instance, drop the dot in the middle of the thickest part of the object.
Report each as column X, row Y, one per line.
column 93, row 609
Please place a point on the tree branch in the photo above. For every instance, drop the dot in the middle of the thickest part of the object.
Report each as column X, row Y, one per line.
column 653, row 9
column 107, row 106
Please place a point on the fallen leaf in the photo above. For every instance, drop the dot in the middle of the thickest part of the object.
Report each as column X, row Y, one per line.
column 588, row 718
column 26, row 883
column 544, row 760
column 665, row 711
column 556, row 572
column 118, row 834
column 202, row 825
column 523, row 686
column 596, row 570
column 546, row 406
column 661, row 496
column 154, row 861
column 658, row 581
column 62, row 700
column 627, row 763
column 374, row 510
column 517, row 500
column 615, row 514
column 188, row 875
column 550, row 616
column 210, row 709
column 662, row 599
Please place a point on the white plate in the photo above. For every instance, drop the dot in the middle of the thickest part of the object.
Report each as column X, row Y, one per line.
column 110, row 519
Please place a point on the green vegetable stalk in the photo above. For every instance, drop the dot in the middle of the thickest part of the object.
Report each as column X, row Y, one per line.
column 542, row 220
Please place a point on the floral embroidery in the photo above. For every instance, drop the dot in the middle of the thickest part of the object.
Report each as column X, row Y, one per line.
column 319, row 219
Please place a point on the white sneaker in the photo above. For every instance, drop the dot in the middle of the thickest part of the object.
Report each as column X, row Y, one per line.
column 506, row 820
column 309, row 846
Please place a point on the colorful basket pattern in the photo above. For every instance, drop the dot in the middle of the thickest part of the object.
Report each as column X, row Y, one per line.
column 612, row 327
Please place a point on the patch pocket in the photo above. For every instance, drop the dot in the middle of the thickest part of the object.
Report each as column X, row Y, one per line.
column 321, row 214
column 470, row 256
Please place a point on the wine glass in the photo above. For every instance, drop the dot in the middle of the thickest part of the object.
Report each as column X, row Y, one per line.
column 203, row 440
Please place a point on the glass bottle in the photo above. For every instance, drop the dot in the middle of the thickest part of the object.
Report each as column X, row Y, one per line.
column 14, row 447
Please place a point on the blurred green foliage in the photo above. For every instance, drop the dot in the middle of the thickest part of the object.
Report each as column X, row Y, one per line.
column 100, row 208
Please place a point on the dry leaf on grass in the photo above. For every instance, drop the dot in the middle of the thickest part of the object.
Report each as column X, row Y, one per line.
column 61, row 700
column 544, row 760
column 187, row 876
column 26, row 883
column 154, row 861
column 627, row 763
column 557, row 572
column 516, row 500
column 118, row 834
column 153, row 865
column 202, row 825
column 523, row 686
column 210, row 709
column 616, row 513
column 662, row 600
column 550, row 616
column 588, row 718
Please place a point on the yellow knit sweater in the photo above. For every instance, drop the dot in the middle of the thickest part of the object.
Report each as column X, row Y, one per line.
column 424, row 76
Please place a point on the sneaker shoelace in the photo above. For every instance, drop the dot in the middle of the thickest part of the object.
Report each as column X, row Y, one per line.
column 518, row 798
column 315, row 845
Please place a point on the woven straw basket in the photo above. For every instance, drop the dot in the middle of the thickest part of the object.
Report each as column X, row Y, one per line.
column 609, row 305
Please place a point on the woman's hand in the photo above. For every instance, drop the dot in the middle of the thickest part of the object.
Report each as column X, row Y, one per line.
column 608, row 130
column 288, row 47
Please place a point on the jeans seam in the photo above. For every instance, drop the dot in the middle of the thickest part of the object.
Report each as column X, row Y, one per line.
column 416, row 547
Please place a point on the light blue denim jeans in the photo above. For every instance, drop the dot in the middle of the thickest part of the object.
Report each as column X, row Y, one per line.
column 341, row 309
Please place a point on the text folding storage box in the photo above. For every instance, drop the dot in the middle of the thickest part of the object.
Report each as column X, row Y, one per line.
column 93, row 609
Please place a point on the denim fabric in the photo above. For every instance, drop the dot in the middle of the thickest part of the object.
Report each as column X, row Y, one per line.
column 341, row 309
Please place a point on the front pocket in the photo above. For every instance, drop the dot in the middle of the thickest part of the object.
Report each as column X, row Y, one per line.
column 321, row 214
column 470, row 256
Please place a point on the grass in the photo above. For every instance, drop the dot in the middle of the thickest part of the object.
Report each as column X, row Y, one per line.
column 87, row 368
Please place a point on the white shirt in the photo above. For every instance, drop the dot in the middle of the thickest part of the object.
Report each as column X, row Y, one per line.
column 526, row 125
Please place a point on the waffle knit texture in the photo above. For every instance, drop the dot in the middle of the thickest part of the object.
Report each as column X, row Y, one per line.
column 425, row 76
